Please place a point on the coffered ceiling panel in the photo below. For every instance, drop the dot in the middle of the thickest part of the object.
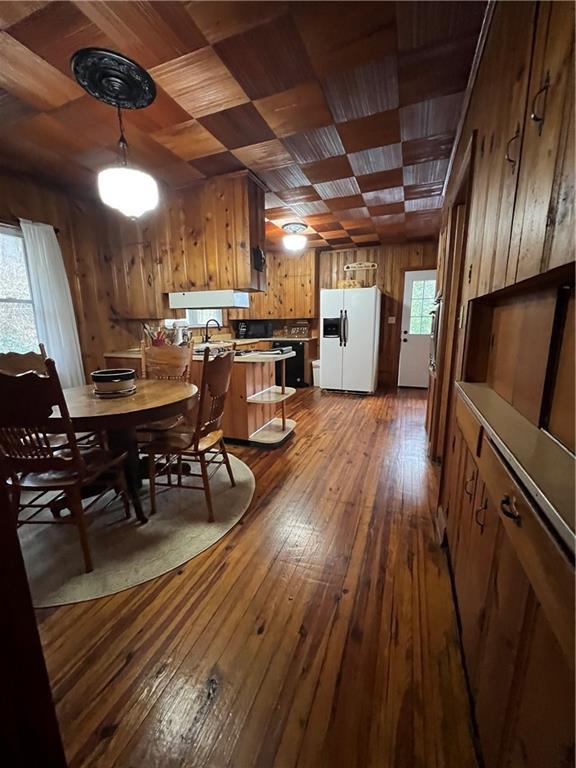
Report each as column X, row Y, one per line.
column 346, row 111
column 12, row 11
column 151, row 33
column 363, row 91
column 315, row 145
column 382, row 180
column 373, row 160
column 267, row 59
column 298, row 109
column 228, row 18
column 189, row 140
column 265, row 156
column 339, row 188
column 430, row 117
column 200, row 83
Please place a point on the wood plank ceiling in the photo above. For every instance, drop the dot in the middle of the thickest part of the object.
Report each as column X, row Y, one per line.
column 347, row 111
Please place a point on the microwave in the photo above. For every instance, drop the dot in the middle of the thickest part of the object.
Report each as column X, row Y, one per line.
column 255, row 329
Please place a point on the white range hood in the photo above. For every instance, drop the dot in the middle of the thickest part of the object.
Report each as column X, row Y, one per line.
column 209, row 299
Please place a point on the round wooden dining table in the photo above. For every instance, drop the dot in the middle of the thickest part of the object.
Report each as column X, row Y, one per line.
column 119, row 417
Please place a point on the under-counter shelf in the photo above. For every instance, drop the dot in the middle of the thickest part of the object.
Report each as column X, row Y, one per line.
column 271, row 395
column 274, row 432
column 544, row 467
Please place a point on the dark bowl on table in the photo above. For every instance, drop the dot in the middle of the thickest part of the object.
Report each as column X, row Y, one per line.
column 114, row 381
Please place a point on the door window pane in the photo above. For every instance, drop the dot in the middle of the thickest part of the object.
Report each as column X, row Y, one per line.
column 421, row 304
column 17, row 322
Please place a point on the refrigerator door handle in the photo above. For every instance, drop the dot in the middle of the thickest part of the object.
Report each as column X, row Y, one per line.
column 345, row 327
column 341, row 329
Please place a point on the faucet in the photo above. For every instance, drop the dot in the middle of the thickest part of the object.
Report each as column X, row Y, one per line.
column 206, row 337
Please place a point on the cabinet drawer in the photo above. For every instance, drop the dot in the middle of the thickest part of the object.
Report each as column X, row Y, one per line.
column 469, row 425
column 547, row 567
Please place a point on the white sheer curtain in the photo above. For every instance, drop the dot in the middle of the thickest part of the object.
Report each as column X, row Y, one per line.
column 52, row 301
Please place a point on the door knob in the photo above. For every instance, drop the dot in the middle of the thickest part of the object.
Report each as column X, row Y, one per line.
column 404, row 340
column 404, row 331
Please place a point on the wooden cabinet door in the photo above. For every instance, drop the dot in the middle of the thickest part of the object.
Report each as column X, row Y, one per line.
column 508, row 595
column 482, row 534
column 454, row 468
column 542, row 720
column 552, row 65
column 513, row 30
column 465, row 493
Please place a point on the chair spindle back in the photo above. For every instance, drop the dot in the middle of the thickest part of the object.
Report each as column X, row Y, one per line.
column 168, row 362
column 27, row 400
column 216, row 374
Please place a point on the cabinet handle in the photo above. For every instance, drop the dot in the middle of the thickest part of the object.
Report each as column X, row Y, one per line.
column 508, row 509
column 534, row 116
column 466, row 483
column 481, row 523
column 509, row 159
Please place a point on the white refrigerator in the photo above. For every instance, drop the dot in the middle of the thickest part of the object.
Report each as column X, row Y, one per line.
column 349, row 335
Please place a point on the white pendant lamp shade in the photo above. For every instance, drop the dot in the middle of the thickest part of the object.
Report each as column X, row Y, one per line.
column 294, row 240
column 128, row 190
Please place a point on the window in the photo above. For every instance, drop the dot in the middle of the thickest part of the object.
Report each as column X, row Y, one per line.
column 421, row 304
column 197, row 318
column 17, row 322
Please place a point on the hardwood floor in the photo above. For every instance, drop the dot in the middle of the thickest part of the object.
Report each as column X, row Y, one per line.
column 319, row 632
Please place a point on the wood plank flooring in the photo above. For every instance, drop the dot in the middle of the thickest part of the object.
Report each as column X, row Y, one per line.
column 319, row 632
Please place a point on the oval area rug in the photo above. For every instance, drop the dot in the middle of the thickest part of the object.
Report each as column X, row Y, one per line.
column 126, row 554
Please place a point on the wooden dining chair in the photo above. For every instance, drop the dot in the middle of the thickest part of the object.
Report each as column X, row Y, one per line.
column 200, row 442
column 30, row 461
column 169, row 363
column 21, row 362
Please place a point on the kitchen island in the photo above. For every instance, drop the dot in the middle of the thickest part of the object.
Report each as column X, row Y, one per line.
column 253, row 399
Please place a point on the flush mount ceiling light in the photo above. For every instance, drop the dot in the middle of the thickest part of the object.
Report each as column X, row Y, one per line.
column 120, row 82
column 294, row 240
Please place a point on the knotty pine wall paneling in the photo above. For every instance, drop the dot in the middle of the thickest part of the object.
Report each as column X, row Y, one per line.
column 291, row 289
column 392, row 261
column 95, row 278
column 201, row 238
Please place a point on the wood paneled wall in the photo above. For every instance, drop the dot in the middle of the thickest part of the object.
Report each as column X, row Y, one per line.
column 392, row 261
column 291, row 289
column 92, row 275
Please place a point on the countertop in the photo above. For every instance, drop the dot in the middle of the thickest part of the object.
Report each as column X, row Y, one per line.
column 544, row 466
column 254, row 357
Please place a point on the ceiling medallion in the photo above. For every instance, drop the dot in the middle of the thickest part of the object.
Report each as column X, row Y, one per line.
column 113, row 78
column 120, row 82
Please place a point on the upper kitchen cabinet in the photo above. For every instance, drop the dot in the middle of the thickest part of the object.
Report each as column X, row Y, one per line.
column 522, row 110
column 211, row 236
column 497, row 114
column 291, row 290
column 544, row 209
column 208, row 236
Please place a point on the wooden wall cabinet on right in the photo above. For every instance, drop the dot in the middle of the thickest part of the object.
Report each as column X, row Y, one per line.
column 522, row 196
column 515, row 596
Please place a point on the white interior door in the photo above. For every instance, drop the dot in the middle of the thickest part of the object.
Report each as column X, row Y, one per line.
column 419, row 292
column 331, row 312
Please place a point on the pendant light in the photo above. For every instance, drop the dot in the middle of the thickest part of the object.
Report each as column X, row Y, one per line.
column 294, row 240
column 120, row 82
column 128, row 190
